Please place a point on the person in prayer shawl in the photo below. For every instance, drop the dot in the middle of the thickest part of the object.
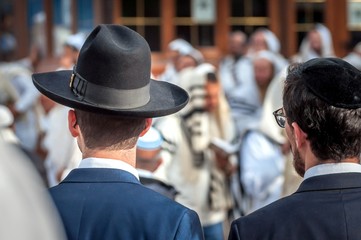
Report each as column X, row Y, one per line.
column 176, row 48
column 317, row 43
column 263, row 153
column 354, row 57
column 197, row 171
column 237, row 80
column 149, row 160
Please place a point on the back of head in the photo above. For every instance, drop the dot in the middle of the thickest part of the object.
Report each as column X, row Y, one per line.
column 109, row 132
column 323, row 96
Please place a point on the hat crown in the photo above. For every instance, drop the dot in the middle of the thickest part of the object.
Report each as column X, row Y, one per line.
column 112, row 77
column 335, row 81
column 115, row 56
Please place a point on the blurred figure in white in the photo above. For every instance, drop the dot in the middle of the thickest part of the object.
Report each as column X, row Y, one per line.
column 7, row 135
column 22, row 98
column 265, row 68
column 317, row 43
column 264, row 39
column 262, row 162
column 197, row 171
column 26, row 209
column 354, row 57
column 58, row 148
column 6, row 121
column 237, row 79
column 71, row 49
column 148, row 160
column 175, row 49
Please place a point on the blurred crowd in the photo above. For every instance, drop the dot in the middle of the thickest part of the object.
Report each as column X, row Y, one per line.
column 223, row 155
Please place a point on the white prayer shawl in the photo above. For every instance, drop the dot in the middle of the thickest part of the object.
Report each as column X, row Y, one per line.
column 27, row 212
column 306, row 53
column 354, row 57
column 273, row 101
column 25, row 95
column 262, row 162
column 191, row 179
column 6, row 120
column 237, row 79
column 273, row 46
column 63, row 151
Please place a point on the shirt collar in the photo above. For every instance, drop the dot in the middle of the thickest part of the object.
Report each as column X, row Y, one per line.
column 145, row 173
column 330, row 168
column 108, row 163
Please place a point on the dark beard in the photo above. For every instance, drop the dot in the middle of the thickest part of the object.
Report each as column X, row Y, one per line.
column 298, row 163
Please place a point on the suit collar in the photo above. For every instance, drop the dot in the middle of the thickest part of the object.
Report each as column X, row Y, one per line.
column 99, row 175
column 331, row 182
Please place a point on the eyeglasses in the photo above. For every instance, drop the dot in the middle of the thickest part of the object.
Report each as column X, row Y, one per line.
column 280, row 117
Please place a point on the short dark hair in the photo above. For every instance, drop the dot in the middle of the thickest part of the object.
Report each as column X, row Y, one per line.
column 334, row 133
column 109, row 132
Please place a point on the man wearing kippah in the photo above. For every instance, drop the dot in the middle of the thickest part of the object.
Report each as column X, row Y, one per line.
column 321, row 114
column 149, row 159
column 113, row 101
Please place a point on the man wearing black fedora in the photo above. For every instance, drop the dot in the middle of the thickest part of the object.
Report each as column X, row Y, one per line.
column 321, row 114
column 113, row 101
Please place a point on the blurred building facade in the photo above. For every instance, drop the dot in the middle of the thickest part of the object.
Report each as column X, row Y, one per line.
column 204, row 23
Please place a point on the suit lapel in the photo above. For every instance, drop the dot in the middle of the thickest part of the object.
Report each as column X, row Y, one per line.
column 331, row 182
column 100, row 175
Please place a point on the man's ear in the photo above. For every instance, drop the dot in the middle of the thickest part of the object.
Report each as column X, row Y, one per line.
column 299, row 134
column 72, row 124
column 148, row 124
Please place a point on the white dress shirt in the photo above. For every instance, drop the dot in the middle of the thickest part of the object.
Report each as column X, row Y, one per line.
column 331, row 168
column 108, row 163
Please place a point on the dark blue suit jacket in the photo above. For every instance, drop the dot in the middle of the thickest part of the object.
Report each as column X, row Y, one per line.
column 324, row 207
column 98, row 203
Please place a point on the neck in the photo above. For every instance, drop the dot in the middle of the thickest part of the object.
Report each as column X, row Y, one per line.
column 127, row 156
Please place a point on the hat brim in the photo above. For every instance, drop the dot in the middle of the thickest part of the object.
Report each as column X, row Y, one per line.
column 165, row 98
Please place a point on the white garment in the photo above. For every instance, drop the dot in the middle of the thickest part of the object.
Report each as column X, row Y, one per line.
column 27, row 212
column 6, row 120
column 170, row 74
column 262, row 166
column 192, row 183
column 93, row 162
column 63, row 152
column 272, row 102
column 273, row 46
column 306, row 52
column 26, row 96
column 237, row 78
column 190, row 165
column 354, row 59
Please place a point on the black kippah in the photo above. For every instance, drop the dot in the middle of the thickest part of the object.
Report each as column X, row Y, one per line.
column 334, row 81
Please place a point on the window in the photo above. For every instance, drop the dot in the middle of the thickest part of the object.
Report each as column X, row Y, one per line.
column 248, row 15
column 308, row 13
column 143, row 16
column 197, row 33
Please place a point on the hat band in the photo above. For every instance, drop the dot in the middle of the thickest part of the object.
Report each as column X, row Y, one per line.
column 108, row 97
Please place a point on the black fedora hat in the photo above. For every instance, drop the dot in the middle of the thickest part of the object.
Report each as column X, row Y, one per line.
column 112, row 76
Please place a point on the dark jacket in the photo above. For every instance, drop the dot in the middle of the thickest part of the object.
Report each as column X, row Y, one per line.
column 98, row 203
column 324, row 207
column 160, row 187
